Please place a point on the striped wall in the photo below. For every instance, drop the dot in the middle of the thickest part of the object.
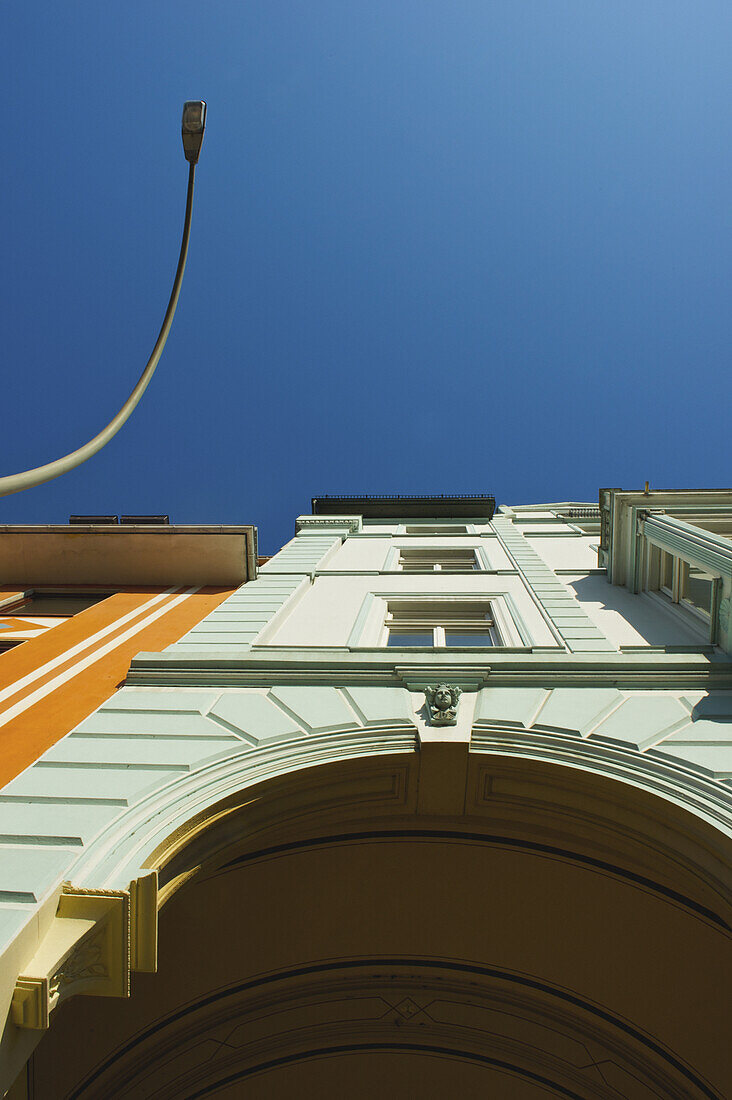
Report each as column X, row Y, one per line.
column 52, row 682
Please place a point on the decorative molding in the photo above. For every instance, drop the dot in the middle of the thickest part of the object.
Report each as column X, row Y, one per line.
column 454, row 1009
column 543, row 666
column 702, row 548
column 417, row 677
column 96, row 938
column 442, row 703
column 87, row 961
column 86, row 951
column 123, row 849
column 682, row 786
column 305, row 524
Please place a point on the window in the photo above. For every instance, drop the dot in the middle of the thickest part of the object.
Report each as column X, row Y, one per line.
column 54, row 604
column 666, row 573
column 447, row 561
column 683, row 583
column 31, row 615
column 445, row 623
column 441, row 530
column 696, row 588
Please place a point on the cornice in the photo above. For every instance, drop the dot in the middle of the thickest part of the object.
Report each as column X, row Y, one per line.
column 305, row 524
column 267, row 668
column 703, row 548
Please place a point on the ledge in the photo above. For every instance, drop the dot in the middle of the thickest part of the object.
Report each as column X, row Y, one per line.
column 270, row 665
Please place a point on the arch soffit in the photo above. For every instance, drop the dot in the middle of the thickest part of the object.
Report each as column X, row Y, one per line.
column 599, row 791
column 607, row 807
column 459, row 1011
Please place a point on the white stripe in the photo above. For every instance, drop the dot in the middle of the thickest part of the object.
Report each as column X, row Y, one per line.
column 92, row 658
column 49, row 666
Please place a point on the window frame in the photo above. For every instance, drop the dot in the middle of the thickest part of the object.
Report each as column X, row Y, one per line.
column 370, row 630
column 436, row 552
column 433, row 617
column 675, row 592
column 672, row 597
column 436, row 530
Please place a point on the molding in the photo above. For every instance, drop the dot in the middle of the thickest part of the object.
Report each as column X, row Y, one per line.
column 97, row 937
column 99, row 934
column 86, row 951
column 452, row 1009
column 368, row 609
column 120, row 851
column 704, row 798
column 370, row 622
column 306, row 524
column 418, row 678
column 273, row 666
column 124, row 850
column 702, row 548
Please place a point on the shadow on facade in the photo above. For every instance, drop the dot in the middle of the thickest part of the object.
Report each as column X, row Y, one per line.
column 359, row 927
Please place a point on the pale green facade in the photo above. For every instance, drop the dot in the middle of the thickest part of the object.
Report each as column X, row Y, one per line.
column 618, row 682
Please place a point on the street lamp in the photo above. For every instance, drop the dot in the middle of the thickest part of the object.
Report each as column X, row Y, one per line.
column 192, row 128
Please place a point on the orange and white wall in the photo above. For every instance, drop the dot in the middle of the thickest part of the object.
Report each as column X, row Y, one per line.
column 61, row 673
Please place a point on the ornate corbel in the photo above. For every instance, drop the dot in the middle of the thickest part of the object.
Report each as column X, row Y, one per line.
column 97, row 937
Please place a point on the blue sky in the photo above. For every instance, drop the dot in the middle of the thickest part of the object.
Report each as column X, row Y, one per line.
column 437, row 247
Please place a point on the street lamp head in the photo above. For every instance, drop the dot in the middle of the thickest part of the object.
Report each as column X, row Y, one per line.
column 192, row 127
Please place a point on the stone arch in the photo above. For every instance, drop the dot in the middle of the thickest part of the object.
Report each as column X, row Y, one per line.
column 529, row 810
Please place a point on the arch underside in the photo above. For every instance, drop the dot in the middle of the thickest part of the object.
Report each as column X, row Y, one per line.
column 442, row 921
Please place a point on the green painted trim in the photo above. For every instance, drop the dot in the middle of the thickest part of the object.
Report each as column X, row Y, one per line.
column 367, row 606
column 683, row 540
column 704, row 798
column 270, row 665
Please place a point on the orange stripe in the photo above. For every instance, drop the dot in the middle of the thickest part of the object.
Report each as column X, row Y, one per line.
column 27, row 737
column 78, row 650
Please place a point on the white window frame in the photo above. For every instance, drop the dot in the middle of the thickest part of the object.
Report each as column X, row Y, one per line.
column 435, row 530
column 448, row 554
column 694, row 619
column 483, row 562
column 674, row 594
column 370, row 631
column 430, row 617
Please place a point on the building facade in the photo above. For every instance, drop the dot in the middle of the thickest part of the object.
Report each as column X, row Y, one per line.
column 437, row 803
column 80, row 600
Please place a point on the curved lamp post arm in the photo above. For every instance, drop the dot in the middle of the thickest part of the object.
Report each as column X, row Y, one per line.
column 14, row 483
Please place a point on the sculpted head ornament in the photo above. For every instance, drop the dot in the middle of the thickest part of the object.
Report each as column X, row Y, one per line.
column 443, row 702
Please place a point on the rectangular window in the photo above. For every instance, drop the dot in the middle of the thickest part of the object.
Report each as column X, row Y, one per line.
column 441, row 623
column 55, row 604
column 696, row 588
column 441, row 560
column 31, row 615
column 682, row 583
column 666, row 574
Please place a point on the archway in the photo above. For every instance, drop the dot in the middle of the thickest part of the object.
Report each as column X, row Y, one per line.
column 362, row 924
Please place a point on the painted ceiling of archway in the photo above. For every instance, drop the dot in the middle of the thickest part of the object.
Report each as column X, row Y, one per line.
column 334, row 962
